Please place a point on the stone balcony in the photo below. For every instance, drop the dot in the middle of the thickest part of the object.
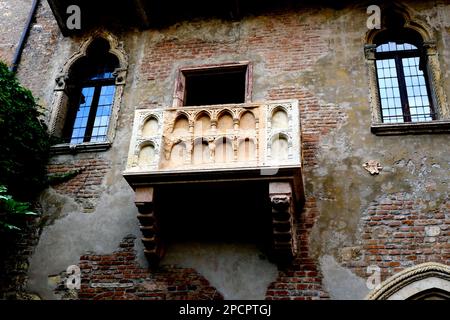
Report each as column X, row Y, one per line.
column 262, row 136
column 217, row 144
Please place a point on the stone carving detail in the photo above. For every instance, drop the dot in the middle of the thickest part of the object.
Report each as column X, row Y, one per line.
column 369, row 51
column 373, row 166
column 436, row 80
column 225, row 137
column 120, row 74
column 146, row 145
column 61, row 82
column 408, row 277
column 283, row 221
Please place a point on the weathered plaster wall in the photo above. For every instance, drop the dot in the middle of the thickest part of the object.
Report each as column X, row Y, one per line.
column 13, row 16
column 314, row 55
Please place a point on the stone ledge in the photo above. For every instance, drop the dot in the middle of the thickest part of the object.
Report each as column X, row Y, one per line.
column 431, row 127
column 67, row 148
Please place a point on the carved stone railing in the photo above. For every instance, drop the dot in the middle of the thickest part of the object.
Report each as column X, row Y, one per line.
column 253, row 141
column 215, row 137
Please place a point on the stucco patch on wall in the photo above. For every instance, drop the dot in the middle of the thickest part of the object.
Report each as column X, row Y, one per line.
column 62, row 243
column 238, row 271
column 340, row 282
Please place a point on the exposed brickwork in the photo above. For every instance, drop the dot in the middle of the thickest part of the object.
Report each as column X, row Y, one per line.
column 316, row 120
column 399, row 232
column 298, row 47
column 86, row 187
column 15, row 251
column 302, row 280
column 129, row 281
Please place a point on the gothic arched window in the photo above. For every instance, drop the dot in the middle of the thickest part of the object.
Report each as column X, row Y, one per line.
column 93, row 88
column 404, row 89
column 88, row 95
column 407, row 94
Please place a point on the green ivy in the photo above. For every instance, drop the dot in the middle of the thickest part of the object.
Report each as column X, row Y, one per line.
column 24, row 140
column 12, row 213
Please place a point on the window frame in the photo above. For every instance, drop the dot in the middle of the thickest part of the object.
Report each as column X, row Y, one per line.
column 179, row 95
column 413, row 30
column 97, row 84
column 398, row 56
column 63, row 96
column 438, row 97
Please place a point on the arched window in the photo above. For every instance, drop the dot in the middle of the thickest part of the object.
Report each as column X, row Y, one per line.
column 93, row 88
column 404, row 89
column 407, row 95
column 88, row 96
column 427, row 281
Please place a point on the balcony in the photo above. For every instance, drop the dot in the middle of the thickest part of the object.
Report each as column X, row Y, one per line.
column 258, row 142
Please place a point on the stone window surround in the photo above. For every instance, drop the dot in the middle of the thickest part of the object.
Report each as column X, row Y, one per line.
column 59, row 106
column 412, row 281
column 442, row 124
column 180, row 83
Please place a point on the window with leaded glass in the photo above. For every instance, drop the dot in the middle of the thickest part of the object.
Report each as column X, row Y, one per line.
column 92, row 93
column 403, row 85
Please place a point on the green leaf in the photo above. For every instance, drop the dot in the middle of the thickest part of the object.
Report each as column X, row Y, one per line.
column 30, row 213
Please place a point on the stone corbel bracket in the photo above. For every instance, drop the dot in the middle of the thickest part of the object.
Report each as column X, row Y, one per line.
column 151, row 238
column 282, row 200
column 61, row 82
column 121, row 75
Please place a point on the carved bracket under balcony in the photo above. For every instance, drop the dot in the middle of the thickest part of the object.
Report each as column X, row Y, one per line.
column 151, row 238
column 217, row 144
column 283, row 220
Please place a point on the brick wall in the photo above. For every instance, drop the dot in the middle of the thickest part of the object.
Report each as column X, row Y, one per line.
column 86, row 187
column 281, row 42
column 400, row 231
column 316, row 120
column 301, row 280
column 15, row 251
column 117, row 276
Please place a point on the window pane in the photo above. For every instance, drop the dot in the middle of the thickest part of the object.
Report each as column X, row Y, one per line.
column 82, row 116
column 103, row 113
column 389, row 91
column 418, row 99
column 393, row 46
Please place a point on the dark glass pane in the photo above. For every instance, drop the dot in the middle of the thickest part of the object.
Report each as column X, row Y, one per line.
column 82, row 116
column 103, row 114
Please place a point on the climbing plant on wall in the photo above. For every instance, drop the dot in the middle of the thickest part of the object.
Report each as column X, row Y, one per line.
column 24, row 147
